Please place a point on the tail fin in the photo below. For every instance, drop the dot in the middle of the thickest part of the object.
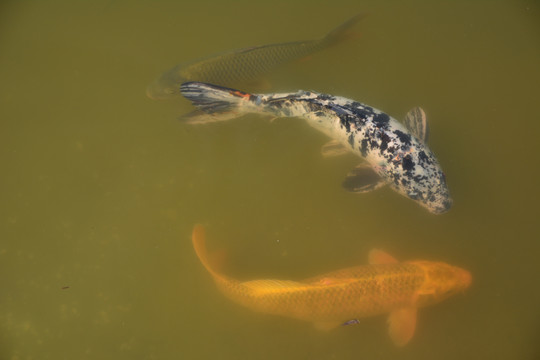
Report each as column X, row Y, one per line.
column 215, row 99
column 230, row 287
column 342, row 31
column 199, row 244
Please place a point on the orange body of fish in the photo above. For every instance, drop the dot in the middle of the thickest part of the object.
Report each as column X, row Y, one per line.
column 333, row 299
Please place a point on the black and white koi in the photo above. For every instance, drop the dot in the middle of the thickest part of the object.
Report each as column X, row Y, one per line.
column 396, row 153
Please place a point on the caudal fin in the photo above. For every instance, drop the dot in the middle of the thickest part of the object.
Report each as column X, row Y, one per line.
column 342, row 32
column 219, row 102
column 198, row 239
column 229, row 286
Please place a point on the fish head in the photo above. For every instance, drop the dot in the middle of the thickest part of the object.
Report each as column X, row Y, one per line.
column 432, row 192
column 441, row 281
column 163, row 89
column 419, row 176
column 167, row 85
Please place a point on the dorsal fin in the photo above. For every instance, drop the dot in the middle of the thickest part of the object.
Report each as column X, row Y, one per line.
column 377, row 257
column 416, row 122
column 341, row 32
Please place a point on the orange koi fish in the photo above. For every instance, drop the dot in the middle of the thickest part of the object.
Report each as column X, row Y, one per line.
column 342, row 296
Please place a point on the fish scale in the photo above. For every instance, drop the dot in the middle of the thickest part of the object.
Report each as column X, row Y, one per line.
column 376, row 289
column 244, row 66
column 340, row 297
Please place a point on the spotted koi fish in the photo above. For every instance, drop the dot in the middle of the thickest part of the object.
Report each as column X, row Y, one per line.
column 343, row 296
column 244, row 66
column 396, row 153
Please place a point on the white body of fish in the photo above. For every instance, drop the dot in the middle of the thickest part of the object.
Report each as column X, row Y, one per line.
column 396, row 153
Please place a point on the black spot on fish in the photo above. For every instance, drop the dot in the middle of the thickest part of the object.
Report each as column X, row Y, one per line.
column 385, row 139
column 419, row 178
column 363, row 113
column 381, row 120
column 351, row 139
column 319, row 113
column 403, row 137
column 312, row 106
column 368, row 108
column 345, row 122
column 277, row 104
column 423, row 157
column 325, row 97
column 356, row 105
column 338, row 109
column 407, row 163
column 364, row 147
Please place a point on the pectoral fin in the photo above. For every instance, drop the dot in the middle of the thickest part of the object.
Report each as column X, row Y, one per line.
column 416, row 122
column 362, row 179
column 351, row 322
column 402, row 323
column 334, row 148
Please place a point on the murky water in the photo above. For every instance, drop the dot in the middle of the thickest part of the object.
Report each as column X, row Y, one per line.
column 101, row 186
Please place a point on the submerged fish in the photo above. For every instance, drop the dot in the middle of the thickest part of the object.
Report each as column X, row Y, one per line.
column 396, row 154
column 244, row 65
column 342, row 296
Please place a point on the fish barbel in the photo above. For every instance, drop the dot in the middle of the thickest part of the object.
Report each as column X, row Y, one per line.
column 396, row 153
column 244, row 65
column 343, row 296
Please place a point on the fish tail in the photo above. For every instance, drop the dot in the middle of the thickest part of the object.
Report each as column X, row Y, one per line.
column 221, row 103
column 199, row 244
column 211, row 262
column 232, row 288
column 342, row 32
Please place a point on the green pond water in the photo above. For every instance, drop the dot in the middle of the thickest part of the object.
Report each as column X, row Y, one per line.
column 101, row 186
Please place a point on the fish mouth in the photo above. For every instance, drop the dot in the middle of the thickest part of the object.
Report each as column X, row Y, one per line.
column 437, row 203
column 163, row 88
column 156, row 92
column 463, row 280
column 466, row 279
column 443, row 207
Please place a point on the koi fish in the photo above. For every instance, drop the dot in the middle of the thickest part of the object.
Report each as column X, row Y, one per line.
column 343, row 296
column 244, row 66
column 396, row 153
